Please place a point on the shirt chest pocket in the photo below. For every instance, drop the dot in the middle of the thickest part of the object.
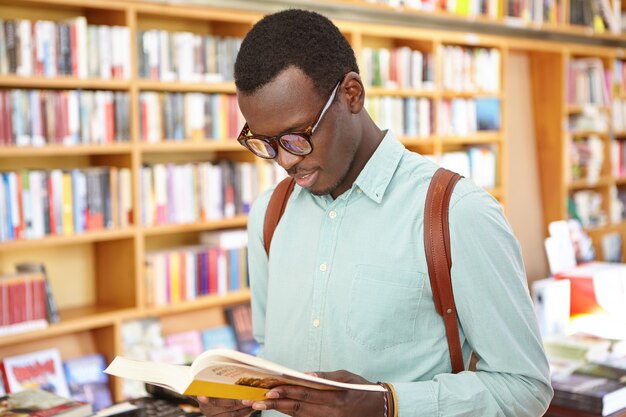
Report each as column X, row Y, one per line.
column 383, row 306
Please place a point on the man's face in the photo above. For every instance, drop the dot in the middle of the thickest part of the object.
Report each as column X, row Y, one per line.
column 290, row 103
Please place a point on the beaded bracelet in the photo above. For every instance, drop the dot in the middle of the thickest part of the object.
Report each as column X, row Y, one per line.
column 385, row 400
column 393, row 400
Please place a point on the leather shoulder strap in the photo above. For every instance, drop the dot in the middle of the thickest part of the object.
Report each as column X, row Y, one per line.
column 439, row 257
column 275, row 209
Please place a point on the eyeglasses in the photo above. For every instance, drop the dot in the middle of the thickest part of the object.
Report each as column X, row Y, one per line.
column 296, row 143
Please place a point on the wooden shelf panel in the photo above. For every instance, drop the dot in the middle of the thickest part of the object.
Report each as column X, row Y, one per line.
column 60, row 150
column 474, row 139
column 72, row 320
column 472, row 94
column 582, row 133
column 69, row 83
column 87, row 237
column 94, row 317
column 585, row 184
column 397, row 92
column 238, row 221
column 575, row 109
column 180, row 87
column 204, row 302
column 189, row 146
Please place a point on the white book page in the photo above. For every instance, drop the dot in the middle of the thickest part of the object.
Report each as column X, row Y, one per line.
column 174, row 377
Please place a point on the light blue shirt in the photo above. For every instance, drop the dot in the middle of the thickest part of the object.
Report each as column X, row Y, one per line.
column 347, row 287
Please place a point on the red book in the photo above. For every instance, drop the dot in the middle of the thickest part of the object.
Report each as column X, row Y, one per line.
column 213, row 254
column 110, row 120
column 589, row 285
column 51, row 214
column 42, row 369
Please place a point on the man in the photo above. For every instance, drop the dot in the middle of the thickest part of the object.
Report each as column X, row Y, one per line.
column 346, row 283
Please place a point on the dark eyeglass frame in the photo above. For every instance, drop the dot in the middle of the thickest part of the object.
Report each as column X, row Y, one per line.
column 247, row 135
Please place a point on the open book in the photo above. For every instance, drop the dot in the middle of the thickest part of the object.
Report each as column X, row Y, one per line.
column 224, row 373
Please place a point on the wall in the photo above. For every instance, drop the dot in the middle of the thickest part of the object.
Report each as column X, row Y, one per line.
column 523, row 189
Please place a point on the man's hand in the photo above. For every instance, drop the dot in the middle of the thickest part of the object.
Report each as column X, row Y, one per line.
column 211, row 407
column 306, row 402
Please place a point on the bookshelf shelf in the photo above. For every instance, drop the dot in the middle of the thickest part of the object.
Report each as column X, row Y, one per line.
column 200, row 87
column 53, row 241
column 573, row 109
column 239, row 221
column 190, row 146
column 69, row 83
column 474, row 139
column 72, row 321
column 471, row 94
column 200, row 303
column 396, row 92
column 586, row 184
column 60, row 150
column 585, row 133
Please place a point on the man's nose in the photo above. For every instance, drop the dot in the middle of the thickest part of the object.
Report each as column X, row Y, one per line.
column 287, row 160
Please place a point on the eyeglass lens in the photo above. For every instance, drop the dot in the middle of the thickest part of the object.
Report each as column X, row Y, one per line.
column 294, row 144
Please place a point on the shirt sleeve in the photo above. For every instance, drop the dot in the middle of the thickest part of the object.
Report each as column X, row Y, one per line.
column 496, row 318
column 258, row 266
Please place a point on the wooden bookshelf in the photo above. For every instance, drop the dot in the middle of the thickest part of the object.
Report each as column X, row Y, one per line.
column 98, row 277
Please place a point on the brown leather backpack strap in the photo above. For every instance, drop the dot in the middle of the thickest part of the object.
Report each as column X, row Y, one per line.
column 439, row 257
column 275, row 209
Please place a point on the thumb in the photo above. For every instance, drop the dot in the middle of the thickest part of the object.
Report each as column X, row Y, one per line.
column 317, row 374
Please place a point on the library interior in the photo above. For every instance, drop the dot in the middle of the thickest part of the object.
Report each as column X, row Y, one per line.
column 125, row 192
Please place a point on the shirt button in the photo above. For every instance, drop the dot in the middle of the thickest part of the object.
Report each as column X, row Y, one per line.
column 332, row 214
column 359, row 191
column 323, row 267
column 316, row 323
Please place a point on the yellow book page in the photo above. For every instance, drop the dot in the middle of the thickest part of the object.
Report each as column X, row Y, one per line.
column 220, row 390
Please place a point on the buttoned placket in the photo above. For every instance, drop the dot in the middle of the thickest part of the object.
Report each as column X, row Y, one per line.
column 329, row 231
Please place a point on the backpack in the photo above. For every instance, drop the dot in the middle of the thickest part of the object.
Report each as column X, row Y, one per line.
column 436, row 245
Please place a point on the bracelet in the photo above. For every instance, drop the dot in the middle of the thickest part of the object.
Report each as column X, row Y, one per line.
column 390, row 400
column 385, row 399
column 393, row 400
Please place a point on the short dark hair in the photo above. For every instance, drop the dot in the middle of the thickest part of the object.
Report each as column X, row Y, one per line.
column 293, row 37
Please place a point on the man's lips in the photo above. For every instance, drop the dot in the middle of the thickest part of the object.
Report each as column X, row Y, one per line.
column 306, row 179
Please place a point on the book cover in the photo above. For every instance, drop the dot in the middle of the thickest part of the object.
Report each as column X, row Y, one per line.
column 240, row 318
column 589, row 393
column 223, row 373
column 39, row 403
column 52, row 310
column 87, row 381
column 190, row 342
column 219, row 337
column 41, row 369
column 488, row 113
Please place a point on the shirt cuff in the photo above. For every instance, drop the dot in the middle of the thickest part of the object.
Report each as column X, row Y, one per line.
column 416, row 399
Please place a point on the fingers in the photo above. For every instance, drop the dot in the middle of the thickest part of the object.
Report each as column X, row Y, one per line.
column 290, row 407
column 213, row 407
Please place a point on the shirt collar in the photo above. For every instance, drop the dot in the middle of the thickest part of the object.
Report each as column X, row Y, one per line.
column 377, row 173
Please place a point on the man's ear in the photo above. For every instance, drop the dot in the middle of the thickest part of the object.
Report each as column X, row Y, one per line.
column 355, row 92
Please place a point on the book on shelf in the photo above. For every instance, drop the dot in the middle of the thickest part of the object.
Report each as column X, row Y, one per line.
column 87, row 381
column 190, row 343
column 240, row 318
column 224, row 373
column 39, row 403
column 22, row 303
column 219, row 337
column 40, row 369
column 52, row 310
